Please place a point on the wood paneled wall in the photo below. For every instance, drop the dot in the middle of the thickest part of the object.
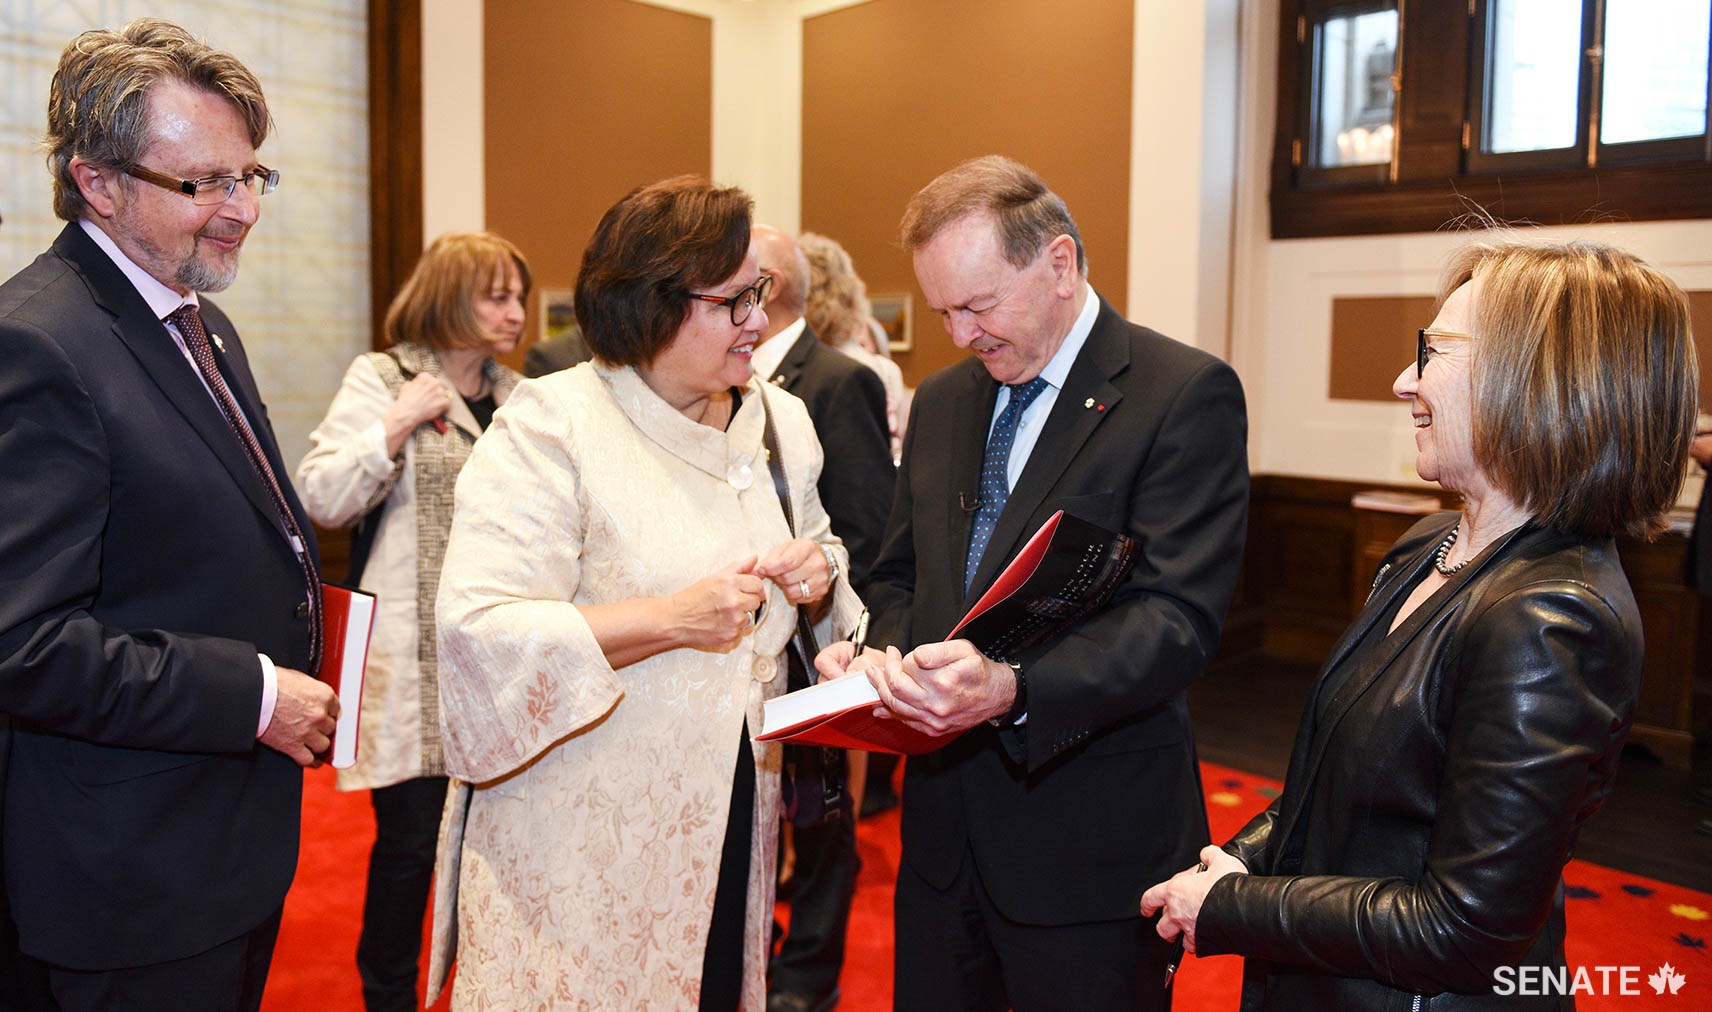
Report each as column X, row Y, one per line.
column 897, row 91
column 584, row 101
column 1304, row 578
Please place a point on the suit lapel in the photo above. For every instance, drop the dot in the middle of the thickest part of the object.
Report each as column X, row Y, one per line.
column 152, row 345
column 1399, row 582
column 795, row 362
column 1087, row 399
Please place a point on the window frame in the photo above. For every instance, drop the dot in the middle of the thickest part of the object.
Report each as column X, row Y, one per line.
column 1308, row 173
column 1437, row 176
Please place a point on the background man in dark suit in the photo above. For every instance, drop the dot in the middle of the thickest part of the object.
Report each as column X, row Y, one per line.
column 847, row 403
column 1700, row 564
column 1024, row 837
column 161, row 602
column 556, row 353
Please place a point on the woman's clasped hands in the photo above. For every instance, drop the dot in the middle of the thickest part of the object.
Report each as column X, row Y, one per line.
column 715, row 612
column 1178, row 899
column 799, row 568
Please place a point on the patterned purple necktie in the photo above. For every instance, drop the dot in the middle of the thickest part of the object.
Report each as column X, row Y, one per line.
column 995, row 488
column 188, row 320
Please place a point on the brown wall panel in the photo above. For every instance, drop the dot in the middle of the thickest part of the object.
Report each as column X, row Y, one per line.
column 1700, row 317
column 586, row 99
column 1372, row 339
column 897, row 91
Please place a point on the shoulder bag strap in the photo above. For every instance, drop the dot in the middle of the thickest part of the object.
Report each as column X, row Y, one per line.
column 776, row 464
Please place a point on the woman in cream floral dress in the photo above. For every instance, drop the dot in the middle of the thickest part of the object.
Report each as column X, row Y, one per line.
column 602, row 666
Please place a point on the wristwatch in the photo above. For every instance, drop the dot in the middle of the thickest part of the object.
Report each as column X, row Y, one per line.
column 1019, row 705
column 831, row 565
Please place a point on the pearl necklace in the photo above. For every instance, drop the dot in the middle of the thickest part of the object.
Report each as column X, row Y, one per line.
column 1444, row 550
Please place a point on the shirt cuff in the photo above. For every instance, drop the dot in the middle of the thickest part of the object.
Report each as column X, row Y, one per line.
column 270, row 693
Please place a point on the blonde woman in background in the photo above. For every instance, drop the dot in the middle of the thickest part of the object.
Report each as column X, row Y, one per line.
column 386, row 458
column 839, row 313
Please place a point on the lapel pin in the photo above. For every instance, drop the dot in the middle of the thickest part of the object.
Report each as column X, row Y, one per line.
column 1088, row 403
column 218, row 343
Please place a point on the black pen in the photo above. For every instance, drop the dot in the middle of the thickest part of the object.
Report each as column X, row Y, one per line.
column 1176, row 961
column 1177, row 949
column 859, row 637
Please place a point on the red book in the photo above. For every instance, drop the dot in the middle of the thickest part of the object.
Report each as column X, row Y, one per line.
column 347, row 620
column 1069, row 568
column 840, row 712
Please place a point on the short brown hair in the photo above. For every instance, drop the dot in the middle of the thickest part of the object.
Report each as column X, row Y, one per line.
column 656, row 245
column 436, row 306
column 837, row 299
column 98, row 102
column 1028, row 214
column 1584, row 382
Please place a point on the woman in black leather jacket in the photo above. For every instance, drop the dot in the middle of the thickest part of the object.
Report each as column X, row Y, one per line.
column 1469, row 721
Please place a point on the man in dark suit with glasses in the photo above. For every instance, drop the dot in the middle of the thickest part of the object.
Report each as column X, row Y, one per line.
column 162, row 602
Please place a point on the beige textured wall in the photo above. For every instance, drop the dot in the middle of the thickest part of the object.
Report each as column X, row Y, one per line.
column 301, row 299
column 585, row 100
column 897, row 91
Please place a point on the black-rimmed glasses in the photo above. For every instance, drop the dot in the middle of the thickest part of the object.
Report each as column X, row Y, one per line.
column 1421, row 345
column 743, row 303
column 210, row 190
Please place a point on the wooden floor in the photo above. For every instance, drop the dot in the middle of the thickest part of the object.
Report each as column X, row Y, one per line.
column 1245, row 715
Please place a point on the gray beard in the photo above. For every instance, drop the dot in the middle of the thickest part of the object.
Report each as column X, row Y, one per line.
column 197, row 276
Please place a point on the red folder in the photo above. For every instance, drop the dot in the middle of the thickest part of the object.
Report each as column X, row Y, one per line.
column 1069, row 568
column 347, row 621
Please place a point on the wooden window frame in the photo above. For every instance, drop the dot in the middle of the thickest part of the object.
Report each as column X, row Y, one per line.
column 1433, row 181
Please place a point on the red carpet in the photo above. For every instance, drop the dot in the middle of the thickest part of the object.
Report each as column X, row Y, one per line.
column 1615, row 919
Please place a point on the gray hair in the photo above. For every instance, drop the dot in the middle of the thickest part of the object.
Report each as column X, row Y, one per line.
column 97, row 105
column 1027, row 213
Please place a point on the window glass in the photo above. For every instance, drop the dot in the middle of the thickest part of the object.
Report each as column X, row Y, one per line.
column 1533, row 75
column 1355, row 56
column 1655, row 70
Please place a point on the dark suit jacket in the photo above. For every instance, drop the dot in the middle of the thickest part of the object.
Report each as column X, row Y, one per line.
column 847, row 403
column 561, row 352
column 142, row 567
column 1700, row 543
column 1438, row 784
column 1097, row 795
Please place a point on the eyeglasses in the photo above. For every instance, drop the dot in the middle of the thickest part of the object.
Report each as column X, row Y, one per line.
column 1421, row 345
column 210, row 190
column 744, row 302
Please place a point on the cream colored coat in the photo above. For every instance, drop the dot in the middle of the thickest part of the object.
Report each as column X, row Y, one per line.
column 345, row 467
column 591, row 846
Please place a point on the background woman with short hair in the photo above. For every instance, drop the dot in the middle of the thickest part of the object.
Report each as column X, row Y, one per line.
column 386, row 457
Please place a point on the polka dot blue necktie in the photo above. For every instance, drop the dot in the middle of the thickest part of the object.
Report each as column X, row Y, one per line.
column 995, row 489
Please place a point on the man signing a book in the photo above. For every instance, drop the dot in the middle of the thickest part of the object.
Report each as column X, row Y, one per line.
column 1069, row 776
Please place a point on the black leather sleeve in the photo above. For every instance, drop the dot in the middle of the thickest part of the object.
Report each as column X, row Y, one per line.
column 1540, row 694
column 1252, row 843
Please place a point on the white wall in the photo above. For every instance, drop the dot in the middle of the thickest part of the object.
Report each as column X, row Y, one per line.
column 1183, row 164
column 1283, row 290
column 454, row 169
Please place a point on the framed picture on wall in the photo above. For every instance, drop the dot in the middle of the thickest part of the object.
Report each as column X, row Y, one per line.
column 893, row 314
column 558, row 312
